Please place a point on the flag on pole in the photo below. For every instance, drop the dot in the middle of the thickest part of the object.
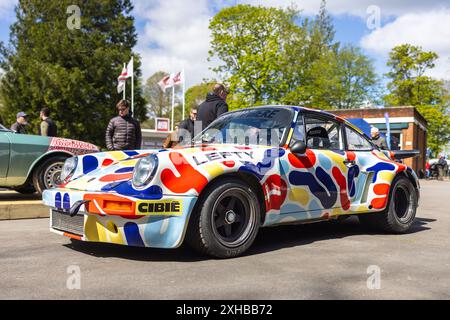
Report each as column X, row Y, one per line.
column 121, row 80
column 130, row 68
column 178, row 78
column 165, row 83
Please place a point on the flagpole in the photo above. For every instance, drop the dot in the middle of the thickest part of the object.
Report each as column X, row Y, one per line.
column 184, row 90
column 132, row 86
column 173, row 105
column 124, row 85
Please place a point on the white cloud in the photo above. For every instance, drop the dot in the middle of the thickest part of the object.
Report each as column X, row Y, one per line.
column 175, row 34
column 356, row 7
column 431, row 30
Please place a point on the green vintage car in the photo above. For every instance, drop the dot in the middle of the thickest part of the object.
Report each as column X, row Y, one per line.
column 30, row 163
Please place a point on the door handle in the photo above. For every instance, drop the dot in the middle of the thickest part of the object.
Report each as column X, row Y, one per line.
column 349, row 163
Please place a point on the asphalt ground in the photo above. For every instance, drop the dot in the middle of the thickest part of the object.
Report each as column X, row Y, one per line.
column 330, row 260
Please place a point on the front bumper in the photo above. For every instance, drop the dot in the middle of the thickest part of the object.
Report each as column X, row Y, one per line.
column 112, row 218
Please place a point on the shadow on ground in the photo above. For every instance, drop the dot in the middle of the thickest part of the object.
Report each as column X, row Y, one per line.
column 268, row 239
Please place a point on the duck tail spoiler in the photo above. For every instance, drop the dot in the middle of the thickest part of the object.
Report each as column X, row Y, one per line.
column 403, row 154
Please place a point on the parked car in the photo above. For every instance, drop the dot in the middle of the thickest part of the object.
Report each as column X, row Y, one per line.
column 250, row 168
column 30, row 163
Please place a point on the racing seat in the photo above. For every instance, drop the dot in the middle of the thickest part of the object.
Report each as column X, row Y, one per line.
column 317, row 138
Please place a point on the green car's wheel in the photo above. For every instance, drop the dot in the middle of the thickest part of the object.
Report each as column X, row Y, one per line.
column 226, row 221
column 400, row 212
column 48, row 174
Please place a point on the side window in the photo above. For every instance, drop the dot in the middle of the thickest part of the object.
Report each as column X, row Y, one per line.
column 356, row 142
column 322, row 133
column 299, row 130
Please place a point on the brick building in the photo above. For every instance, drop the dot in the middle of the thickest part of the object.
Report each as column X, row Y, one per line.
column 407, row 126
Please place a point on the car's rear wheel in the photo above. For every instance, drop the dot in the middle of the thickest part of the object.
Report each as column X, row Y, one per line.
column 401, row 209
column 48, row 174
column 226, row 221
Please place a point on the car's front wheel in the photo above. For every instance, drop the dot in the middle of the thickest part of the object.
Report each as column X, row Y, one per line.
column 226, row 221
column 401, row 209
column 48, row 174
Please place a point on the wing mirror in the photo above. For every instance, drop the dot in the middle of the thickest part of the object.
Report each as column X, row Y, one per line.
column 298, row 147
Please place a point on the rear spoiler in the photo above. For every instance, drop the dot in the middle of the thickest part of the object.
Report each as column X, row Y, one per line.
column 403, row 154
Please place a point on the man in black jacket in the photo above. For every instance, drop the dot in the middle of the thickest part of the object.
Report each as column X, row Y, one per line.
column 123, row 132
column 186, row 127
column 48, row 126
column 214, row 105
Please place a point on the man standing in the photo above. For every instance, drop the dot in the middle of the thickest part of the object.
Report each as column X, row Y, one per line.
column 21, row 122
column 186, row 127
column 378, row 139
column 214, row 105
column 442, row 167
column 48, row 127
column 123, row 132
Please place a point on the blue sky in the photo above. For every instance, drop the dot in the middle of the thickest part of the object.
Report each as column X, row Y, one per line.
column 174, row 33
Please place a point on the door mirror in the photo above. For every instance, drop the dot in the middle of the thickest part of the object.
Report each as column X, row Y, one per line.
column 298, row 147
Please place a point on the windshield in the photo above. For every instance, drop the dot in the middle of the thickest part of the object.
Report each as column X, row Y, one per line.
column 256, row 126
column 2, row 128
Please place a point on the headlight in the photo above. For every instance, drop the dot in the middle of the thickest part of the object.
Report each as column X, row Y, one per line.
column 144, row 171
column 69, row 168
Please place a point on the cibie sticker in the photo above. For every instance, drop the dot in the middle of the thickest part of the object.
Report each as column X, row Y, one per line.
column 159, row 208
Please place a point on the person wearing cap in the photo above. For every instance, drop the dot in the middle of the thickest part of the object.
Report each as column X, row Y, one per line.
column 19, row 125
column 214, row 105
column 378, row 139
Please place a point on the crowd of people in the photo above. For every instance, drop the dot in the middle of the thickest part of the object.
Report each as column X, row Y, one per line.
column 47, row 127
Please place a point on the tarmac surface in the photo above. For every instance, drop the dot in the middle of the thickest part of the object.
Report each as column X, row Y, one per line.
column 330, row 260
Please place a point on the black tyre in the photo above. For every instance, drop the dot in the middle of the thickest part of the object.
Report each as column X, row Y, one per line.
column 226, row 221
column 400, row 212
column 48, row 174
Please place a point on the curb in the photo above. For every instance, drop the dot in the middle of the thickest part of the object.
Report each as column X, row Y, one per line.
column 16, row 206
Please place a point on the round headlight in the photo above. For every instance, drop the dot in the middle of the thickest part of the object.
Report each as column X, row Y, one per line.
column 144, row 171
column 69, row 168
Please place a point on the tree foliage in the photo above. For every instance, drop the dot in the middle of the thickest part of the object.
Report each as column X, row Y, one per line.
column 410, row 86
column 271, row 55
column 159, row 102
column 73, row 72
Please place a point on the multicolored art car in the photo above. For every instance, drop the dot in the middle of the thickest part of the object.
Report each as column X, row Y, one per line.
column 251, row 168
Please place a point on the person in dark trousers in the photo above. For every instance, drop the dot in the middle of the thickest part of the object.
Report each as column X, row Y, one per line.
column 378, row 139
column 214, row 105
column 123, row 132
column 442, row 167
column 48, row 126
column 21, row 122
column 188, row 126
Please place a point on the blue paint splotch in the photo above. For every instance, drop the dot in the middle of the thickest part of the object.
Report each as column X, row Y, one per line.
column 261, row 168
column 132, row 235
column 328, row 196
column 353, row 172
column 380, row 166
column 90, row 163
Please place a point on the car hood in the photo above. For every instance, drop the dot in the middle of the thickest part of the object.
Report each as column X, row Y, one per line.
column 112, row 171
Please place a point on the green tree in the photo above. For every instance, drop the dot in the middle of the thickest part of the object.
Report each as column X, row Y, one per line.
column 272, row 56
column 196, row 94
column 342, row 78
column 159, row 102
column 250, row 42
column 410, row 86
column 72, row 71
